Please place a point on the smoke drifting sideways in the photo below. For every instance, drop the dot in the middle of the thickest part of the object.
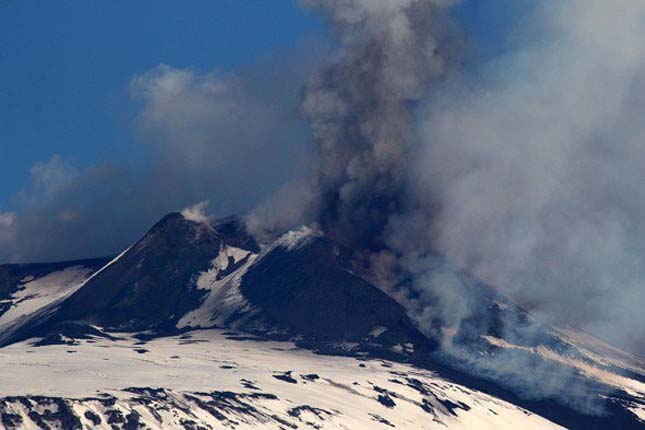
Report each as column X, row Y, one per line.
column 535, row 169
column 525, row 171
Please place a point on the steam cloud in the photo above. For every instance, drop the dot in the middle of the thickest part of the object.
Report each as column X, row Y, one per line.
column 526, row 172
column 536, row 171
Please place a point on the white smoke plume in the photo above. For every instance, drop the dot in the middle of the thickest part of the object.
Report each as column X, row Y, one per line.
column 197, row 212
column 526, row 171
column 534, row 169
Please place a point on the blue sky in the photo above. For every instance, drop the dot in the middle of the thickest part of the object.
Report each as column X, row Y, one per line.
column 65, row 68
column 115, row 113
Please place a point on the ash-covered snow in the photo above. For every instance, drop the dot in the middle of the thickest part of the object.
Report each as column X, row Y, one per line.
column 587, row 367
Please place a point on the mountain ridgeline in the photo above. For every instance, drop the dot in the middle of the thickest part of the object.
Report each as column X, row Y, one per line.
column 291, row 289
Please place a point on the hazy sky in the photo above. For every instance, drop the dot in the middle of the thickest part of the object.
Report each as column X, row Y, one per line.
column 66, row 66
column 91, row 95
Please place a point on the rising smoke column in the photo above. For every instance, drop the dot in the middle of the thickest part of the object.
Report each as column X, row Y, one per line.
column 378, row 192
column 538, row 165
column 360, row 108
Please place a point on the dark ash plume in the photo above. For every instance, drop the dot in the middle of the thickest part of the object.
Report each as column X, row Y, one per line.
column 469, row 195
column 360, row 108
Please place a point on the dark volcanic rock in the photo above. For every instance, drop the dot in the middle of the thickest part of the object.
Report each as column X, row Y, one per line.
column 286, row 377
column 153, row 284
column 309, row 291
column 67, row 332
column 94, row 419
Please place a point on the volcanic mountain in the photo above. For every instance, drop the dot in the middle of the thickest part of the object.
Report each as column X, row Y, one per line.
column 200, row 325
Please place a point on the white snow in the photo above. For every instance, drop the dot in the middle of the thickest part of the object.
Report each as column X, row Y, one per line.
column 224, row 297
column 209, row 361
column 639, row 411
column 221, row 261
column 377, row 331
column 40, row 292
column 38, row 296
column 110, row 263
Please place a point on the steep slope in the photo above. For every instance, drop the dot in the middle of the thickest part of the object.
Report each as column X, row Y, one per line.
column 148, row 287
column 153, row 284
column 14, row 277
column 26, row 289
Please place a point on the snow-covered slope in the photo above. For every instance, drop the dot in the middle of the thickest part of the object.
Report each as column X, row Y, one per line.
column 221, row 282
column 34, row 294
column 218, row 380
column 26, row 290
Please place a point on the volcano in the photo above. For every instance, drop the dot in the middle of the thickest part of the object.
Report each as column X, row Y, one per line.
column 201, row 325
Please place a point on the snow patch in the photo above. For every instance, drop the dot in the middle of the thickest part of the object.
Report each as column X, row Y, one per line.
column 639, row 411
column 196, row 364
column 38, row 297
column 377, row 331
column 35, row 294
column 226, row 252
column 224, row 298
